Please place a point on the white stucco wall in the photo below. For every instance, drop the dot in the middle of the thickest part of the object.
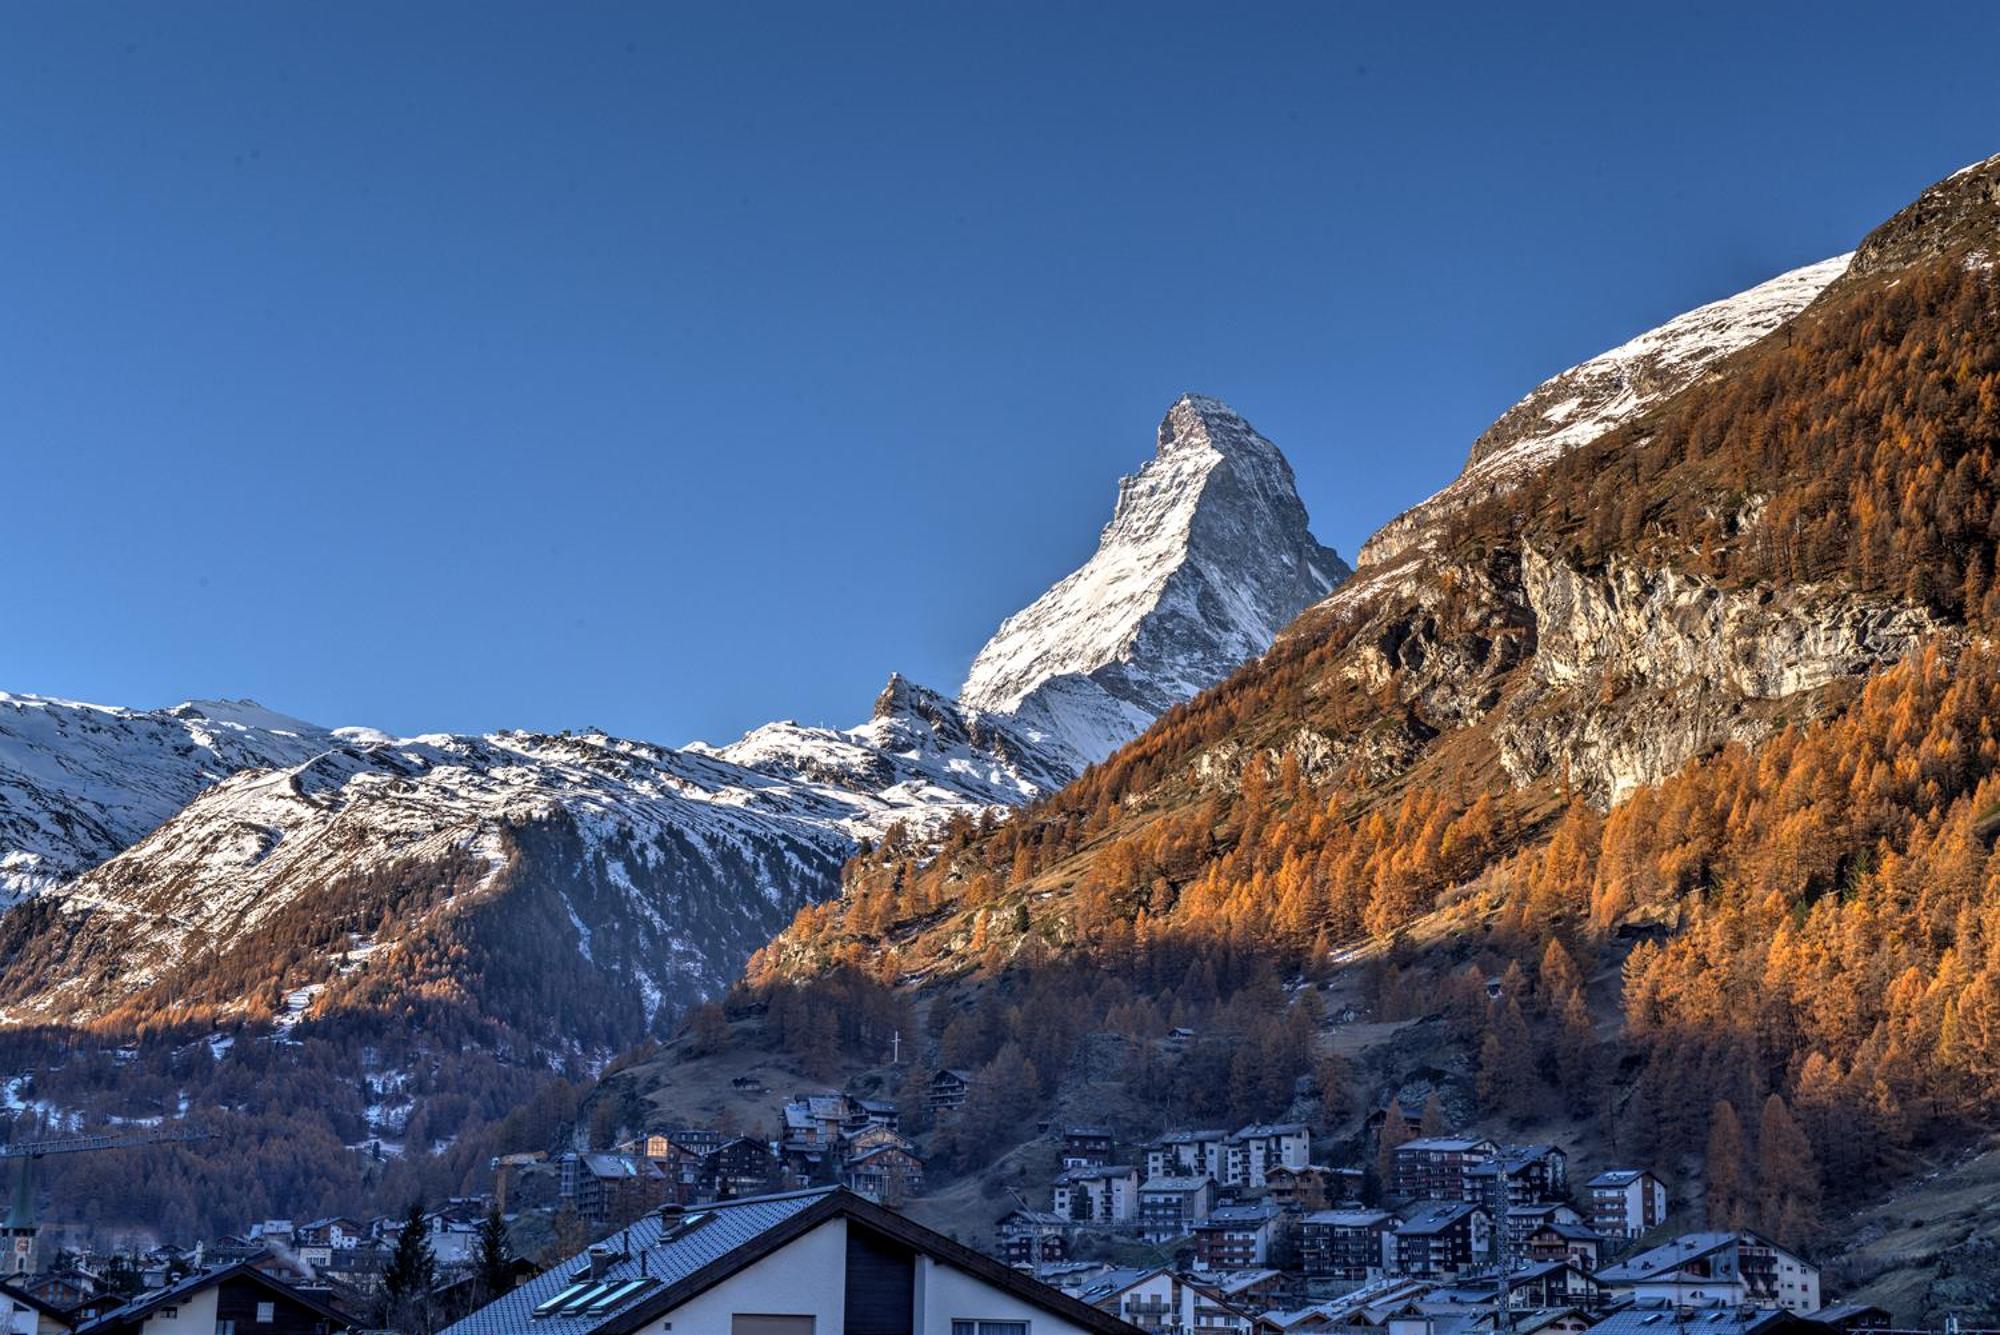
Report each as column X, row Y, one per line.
column 946, row 1294
column 806, row 1278
column 195, row 1316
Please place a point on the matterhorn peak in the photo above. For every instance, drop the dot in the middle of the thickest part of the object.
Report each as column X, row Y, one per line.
column 1207, row 556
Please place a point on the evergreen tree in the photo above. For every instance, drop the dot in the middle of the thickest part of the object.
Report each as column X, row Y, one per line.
column 407, row 1302
column 1788, row 1190
column 1727, row 1169
column 496, row 1261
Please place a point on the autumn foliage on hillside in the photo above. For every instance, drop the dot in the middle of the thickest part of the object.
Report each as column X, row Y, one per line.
column 1821, row 968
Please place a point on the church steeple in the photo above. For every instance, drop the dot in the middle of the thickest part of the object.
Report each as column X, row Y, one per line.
column 19, row 1232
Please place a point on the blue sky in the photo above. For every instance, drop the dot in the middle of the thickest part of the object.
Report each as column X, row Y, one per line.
column 670, row 368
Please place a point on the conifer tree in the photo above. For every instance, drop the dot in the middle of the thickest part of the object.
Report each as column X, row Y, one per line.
column 407, row 1302
column 1727, row 1170
column 496, row 1262
column 1788, row 1188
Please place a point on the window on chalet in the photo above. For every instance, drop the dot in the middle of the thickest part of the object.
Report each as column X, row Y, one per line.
column 989, row 1328
column 266, row 1313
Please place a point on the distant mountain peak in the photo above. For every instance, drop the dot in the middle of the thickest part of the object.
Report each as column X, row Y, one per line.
column 1207, row 556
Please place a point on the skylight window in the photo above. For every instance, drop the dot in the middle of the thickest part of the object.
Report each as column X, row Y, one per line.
column 618, row 1295
column 551, row 1304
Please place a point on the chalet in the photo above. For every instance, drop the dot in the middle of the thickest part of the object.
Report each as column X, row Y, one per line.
column 604, row 1187
column 24, row 1313
column 1253, row 1290
column 233, row 1300
column 1351, row 1245
column 359, row 1267
column 1626, row 1202
column 1162, row 1302
column 1518, row 1221
column 1235, row 1237
column 1313, row 1187
column 1256, row 1149
column 864, row 1113
column 1087, row 1146
column 1516, row 1175
column 1854, row 1317
column 1189, row 1154
column 1169, row 1207
column 1739, row 1269
column 948, row 1091
column 1552, row 1284
column 1410, row 1116
column 791, row 1264
column 739, row 1167
column 1433, row 1168
column 1442, row 1239
column 886, row 1175
column 1559, row 1240
column 1032, row 1237
column 875, row 1136
column 682, row 1156
column 1107, row 1195
column 320, row 1239
column 69, row 1289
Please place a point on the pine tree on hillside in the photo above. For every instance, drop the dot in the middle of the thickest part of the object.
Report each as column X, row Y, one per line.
column 407, row 1304
column 1788, row 1190
column 1727, row 1169
column 496, row 1261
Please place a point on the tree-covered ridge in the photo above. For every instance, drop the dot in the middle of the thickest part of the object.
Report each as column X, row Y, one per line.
column 1823, row 902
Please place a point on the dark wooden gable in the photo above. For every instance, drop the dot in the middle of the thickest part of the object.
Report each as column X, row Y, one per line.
column 881, row 1284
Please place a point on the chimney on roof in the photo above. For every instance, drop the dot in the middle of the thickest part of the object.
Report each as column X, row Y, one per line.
column 602, row 1258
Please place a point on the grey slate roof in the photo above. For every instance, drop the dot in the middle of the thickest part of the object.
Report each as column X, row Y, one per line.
column 1436, row 1216
column 653, row 1241
column 679, row 1255
column 1656, row 1320
column 1665, row 1259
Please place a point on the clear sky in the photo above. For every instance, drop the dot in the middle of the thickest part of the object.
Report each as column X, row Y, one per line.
column 670, row 368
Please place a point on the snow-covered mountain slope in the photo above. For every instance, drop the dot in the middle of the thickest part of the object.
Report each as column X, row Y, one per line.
column 661, row 869
column 917, row 748
column 79, row 782
column 251, row 852
column 1206, row 558
column 1581, row 404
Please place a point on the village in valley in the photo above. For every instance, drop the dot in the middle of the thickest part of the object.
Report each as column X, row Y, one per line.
column 1248, row 1230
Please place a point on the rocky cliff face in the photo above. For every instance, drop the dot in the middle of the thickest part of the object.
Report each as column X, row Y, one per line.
column 1959, row 214
column 1637, row 671
column 1207, row 557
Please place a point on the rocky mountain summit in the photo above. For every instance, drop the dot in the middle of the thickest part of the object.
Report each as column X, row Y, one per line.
column 1207, row 557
